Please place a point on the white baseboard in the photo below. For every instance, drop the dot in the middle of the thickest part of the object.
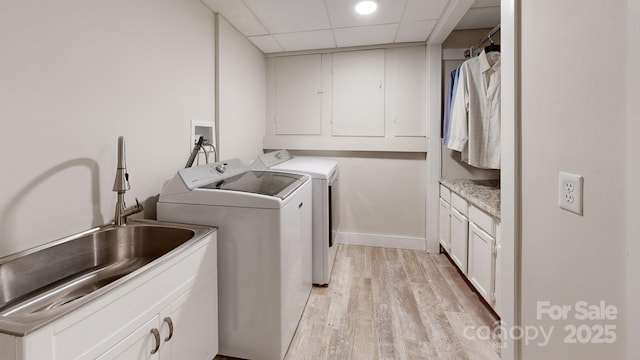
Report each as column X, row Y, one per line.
column 388, row 241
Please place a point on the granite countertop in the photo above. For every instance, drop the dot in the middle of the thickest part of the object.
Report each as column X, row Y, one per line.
column 484, row 194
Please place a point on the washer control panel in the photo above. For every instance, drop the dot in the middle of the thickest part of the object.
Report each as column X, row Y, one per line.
column 274, row 158
column 197, row 176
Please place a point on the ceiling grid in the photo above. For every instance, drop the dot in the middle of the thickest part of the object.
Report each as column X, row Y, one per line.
column 294, row 25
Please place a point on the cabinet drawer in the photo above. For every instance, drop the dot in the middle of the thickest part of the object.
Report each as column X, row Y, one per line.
column 445, row 193
column 483, row 220
column 460, row 204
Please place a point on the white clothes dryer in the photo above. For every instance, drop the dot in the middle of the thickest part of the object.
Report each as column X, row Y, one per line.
column 264, row 249
column 325, row 175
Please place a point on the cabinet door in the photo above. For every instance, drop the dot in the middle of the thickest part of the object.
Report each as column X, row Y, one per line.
column 459, row 236
column 481, row 271
column 445, row 225
column 137, row 346
column 299, row 95
column 189, row 327
column 358, row 93
column 406, row 95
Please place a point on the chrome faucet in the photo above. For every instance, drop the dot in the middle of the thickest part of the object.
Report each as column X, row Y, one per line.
column 121, row 185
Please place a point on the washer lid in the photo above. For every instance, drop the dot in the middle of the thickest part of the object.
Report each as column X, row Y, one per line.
column 271, row 183
column 317, row 168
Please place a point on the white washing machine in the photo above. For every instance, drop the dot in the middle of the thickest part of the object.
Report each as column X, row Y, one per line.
column 264, row 249
column 324, row 174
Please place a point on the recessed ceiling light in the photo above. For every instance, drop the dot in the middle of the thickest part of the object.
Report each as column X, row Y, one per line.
column 366, row 7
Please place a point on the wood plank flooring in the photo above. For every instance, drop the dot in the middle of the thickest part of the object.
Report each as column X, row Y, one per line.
column 392, row 304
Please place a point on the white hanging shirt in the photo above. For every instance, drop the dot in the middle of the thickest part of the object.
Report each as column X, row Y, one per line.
column 475, row 118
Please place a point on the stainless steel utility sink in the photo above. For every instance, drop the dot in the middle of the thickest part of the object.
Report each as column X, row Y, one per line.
column 41, row 284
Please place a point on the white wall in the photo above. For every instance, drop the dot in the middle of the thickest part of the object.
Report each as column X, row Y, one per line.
column 633, row 177
column 75, row 75
column 382, row 197
column 242, row 95
column 573, row 119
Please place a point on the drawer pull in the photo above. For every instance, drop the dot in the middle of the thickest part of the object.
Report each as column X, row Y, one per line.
column 170, row 323
column 156, row 336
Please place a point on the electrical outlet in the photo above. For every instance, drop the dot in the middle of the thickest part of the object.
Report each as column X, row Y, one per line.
column 570, row 192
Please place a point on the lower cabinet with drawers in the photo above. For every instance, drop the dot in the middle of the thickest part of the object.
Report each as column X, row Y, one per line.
column 471, row 238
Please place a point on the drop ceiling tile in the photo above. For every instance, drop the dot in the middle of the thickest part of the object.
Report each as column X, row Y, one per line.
column 322, row 39
column 284, row 16
column 342, row 13
column 479, row 18
column 424, row 10
column 239, row 15
column 365, row 35
column 266, row 43
column 415, row 31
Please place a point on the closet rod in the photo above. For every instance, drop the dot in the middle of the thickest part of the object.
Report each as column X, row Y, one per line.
column 486, row 38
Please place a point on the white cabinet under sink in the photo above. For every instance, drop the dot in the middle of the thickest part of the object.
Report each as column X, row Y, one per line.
column 183, row 331
column 137, row 345
column 175, row 300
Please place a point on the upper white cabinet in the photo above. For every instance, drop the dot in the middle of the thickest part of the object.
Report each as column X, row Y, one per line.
column 406, row 90
column 358, row 100
column 298, row 95
column 358, row 93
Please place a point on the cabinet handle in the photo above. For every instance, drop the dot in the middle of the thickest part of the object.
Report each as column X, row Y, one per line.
column 156, row 335
column 170, row 323
column 300, row 205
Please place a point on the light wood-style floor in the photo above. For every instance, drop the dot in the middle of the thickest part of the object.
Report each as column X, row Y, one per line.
column 392, row 304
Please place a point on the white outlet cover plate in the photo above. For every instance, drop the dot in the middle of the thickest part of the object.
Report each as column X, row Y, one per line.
column 570, row 192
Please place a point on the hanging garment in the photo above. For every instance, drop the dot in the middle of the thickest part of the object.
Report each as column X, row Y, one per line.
column 448, row 106
column 475, row 116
